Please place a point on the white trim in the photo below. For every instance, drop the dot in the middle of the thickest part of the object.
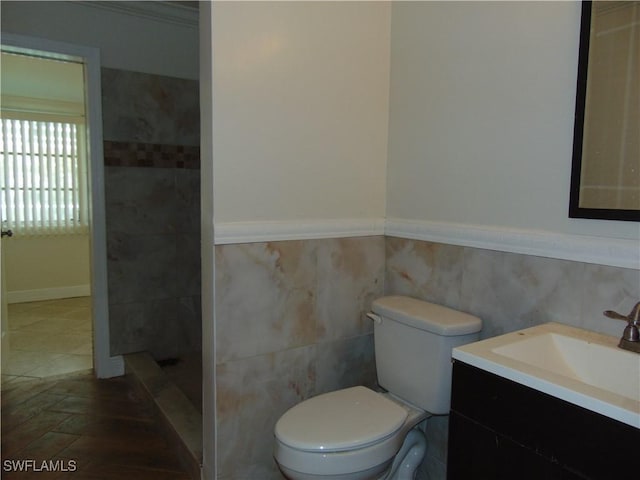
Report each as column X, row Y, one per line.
column 167, row 12
column 615, row 252
column 104, row 365
column 250, row 232
column 36, row 295
column 112, row 367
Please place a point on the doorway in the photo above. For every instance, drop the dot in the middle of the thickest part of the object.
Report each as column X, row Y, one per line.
column 104, row 365
column 43, row 173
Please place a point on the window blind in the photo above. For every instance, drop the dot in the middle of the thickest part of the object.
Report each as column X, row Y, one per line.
column 43, row 181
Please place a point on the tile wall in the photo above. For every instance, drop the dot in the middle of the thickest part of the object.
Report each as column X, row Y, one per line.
column 290, row 324
column 508, row 292
column 152, row 197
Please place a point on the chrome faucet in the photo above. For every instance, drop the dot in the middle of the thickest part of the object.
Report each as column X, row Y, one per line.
column 631, row 336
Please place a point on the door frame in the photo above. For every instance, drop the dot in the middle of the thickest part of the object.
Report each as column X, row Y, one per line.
column 104, row 364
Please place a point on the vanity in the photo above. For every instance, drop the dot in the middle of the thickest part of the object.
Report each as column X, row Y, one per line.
column 548, row 402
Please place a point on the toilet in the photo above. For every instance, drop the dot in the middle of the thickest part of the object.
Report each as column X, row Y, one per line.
column 360, row 434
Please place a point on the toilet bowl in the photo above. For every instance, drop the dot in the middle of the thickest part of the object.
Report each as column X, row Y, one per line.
column 359, row 434
column 349, row 434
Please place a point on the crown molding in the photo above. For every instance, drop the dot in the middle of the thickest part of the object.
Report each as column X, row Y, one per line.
column 167, row 12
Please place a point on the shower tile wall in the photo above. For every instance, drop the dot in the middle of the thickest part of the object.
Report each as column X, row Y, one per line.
column 152, row 196
column 509, row 292
column 290, row 323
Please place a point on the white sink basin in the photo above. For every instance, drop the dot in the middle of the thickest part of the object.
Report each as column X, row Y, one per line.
column 575, row 365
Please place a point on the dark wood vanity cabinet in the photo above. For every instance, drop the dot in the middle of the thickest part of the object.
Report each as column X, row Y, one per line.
column 501, row 430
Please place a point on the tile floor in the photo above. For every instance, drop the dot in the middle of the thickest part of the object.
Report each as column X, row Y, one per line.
column 94, row 429
column 51, row 337
column 55, row 411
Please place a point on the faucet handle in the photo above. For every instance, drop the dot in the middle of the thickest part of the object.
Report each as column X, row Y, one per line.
column 632, row 318
column 631, row 332
column 631, row 336
column 616, row 315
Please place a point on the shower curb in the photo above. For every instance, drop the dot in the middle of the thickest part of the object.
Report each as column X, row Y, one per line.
column 180, row 419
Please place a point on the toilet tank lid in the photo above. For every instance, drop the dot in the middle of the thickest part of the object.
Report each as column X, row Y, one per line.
column 426, row 316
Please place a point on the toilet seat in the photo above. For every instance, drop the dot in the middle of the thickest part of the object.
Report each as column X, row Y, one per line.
column 346, row 419
column 340, row 432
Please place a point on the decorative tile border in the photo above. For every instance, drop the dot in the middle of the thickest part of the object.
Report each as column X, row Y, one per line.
column 134, row 154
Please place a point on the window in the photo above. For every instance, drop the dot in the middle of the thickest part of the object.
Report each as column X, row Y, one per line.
column 43, row 186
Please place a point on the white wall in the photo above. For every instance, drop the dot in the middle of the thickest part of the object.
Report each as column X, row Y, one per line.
column 39, row 268
column 150, row 38
column 481, row 116
column 300, row 110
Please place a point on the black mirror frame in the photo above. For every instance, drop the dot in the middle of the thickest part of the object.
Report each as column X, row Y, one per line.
column 575, row 211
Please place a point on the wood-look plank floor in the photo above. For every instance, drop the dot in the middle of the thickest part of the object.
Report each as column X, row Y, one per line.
column 102, row 429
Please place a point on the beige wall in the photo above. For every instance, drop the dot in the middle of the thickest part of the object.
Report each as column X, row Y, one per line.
column 481, row 115
column 300, row 110
column 37, row 268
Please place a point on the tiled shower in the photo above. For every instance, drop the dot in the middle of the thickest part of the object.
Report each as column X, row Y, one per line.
column 152, row 197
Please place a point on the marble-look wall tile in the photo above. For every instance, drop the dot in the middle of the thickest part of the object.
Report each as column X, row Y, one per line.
column 345, row 363
column 289, row 315
column 190, row 320
column 140, row 107
column 135, row 326
column 607, row 288
column 252, row 393
column 289, row 322
column 508, row 292
column 140, row 267
column 265, row 298
column 152, row 196
column 350, row 276
column 429, row 271
column 187, row 200
column 188, row 265
column 140, row 200
column 165, row 328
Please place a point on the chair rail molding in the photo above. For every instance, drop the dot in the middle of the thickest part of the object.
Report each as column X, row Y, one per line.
column 616, row 252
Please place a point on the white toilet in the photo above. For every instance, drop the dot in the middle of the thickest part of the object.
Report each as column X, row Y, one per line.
column 359, row 434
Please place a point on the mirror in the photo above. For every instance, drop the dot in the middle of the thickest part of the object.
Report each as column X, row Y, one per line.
column 605, row 176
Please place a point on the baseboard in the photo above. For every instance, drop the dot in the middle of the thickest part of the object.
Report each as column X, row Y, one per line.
column 109, row 367
column 21, row 296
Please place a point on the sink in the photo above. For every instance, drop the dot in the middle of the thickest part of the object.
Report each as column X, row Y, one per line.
column 598, row 365
column 582, row 367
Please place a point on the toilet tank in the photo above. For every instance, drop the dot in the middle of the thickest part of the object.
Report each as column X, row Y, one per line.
column 413, row 343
